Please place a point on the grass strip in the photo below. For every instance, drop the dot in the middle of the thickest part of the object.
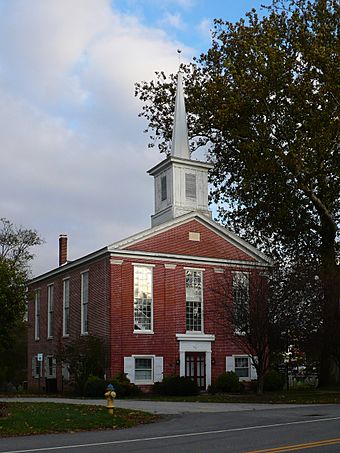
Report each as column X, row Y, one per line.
column 20, row 419
column 282, row 397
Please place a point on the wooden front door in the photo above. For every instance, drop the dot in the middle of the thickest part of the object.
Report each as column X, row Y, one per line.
column 195, row 367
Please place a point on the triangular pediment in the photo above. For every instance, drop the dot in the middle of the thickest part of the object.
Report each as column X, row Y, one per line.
column 192, row 235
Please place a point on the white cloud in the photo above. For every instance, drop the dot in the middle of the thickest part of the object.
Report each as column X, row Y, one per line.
column 187, row 4
column 74, row 158
column 204, row 28
column 174, row 20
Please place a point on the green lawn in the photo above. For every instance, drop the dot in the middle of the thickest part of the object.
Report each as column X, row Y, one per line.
column 17, row 419
column 292, row 397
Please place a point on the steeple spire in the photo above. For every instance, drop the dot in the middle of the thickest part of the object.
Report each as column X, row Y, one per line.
column 180, row 143
column 181, row 184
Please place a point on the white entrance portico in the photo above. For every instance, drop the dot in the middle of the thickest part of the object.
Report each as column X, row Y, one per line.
column 195, row 343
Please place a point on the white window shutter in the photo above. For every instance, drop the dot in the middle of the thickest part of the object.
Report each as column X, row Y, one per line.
column 129, row 368
column 253, row 373
column 158, row 369
column 230, row 363
column 65, row 371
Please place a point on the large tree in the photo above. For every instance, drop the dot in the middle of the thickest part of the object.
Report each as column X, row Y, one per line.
column 15, row 255
column 12, row 301
column 241, row 307
column 265, row 101
column 265, row 312
column 295, row 307
column 85, row 357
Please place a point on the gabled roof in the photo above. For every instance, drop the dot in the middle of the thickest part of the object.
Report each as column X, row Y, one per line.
column 143, row 241
column 136, row 246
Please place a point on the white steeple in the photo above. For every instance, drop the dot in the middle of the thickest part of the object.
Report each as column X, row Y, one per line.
column 180, row 142
column 181, row 184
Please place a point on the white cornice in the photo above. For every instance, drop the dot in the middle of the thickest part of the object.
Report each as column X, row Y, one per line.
column 119, row 249
column 179, row 161
column 195, row 337
column 175, row 258
column 65, row 268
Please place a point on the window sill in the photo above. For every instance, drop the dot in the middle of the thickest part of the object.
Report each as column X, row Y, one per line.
column 144, row 332
column 84, row 334
column 50, row 338
column 66, row 335
column 144, row 382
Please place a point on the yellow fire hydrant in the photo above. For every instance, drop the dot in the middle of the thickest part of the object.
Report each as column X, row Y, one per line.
column 110, row 396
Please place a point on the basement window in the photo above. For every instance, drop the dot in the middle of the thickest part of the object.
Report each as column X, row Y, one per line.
column 242, row 367
column 143, row 369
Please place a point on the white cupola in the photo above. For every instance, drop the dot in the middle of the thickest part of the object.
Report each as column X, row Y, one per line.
column 181, row 184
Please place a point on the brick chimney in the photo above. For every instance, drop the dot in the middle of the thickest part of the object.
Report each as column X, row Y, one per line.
column 62, row 249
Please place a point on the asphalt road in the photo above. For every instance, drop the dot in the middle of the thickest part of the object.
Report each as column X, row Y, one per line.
column 266, row 428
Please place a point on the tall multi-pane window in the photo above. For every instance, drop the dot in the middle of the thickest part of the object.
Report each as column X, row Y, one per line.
column 37, row 314
column 241, row 301
column 36, row 367
column 143, row 298
column 194, row 300
column 66, row 307
column 50, row 366
column 84, row 302
column 50, row 309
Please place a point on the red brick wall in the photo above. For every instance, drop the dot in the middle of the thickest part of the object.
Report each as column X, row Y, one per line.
column 99, row 293
column 123, row 339
column 169, row 304
column 111, row 302
column 176, row 241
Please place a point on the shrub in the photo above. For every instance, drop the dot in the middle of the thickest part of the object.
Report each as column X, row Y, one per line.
column 226, row 383
column 252, row 387
column 4, row 410
column 176, row 386
column 96, row 387
column 273, row 381
column 123, row 387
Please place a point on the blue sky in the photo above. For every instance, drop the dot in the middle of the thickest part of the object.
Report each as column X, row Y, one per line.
column 188, row 21
column 73, row 154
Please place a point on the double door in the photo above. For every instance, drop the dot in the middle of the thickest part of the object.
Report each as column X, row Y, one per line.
column 195, row 368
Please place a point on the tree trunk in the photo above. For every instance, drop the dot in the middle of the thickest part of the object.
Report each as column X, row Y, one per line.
column 260, row 384
column 330, row 339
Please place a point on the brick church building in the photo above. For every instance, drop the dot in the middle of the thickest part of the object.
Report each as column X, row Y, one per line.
column 149, row 296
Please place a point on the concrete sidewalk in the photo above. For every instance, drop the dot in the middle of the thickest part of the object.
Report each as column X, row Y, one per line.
column 161, row 407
